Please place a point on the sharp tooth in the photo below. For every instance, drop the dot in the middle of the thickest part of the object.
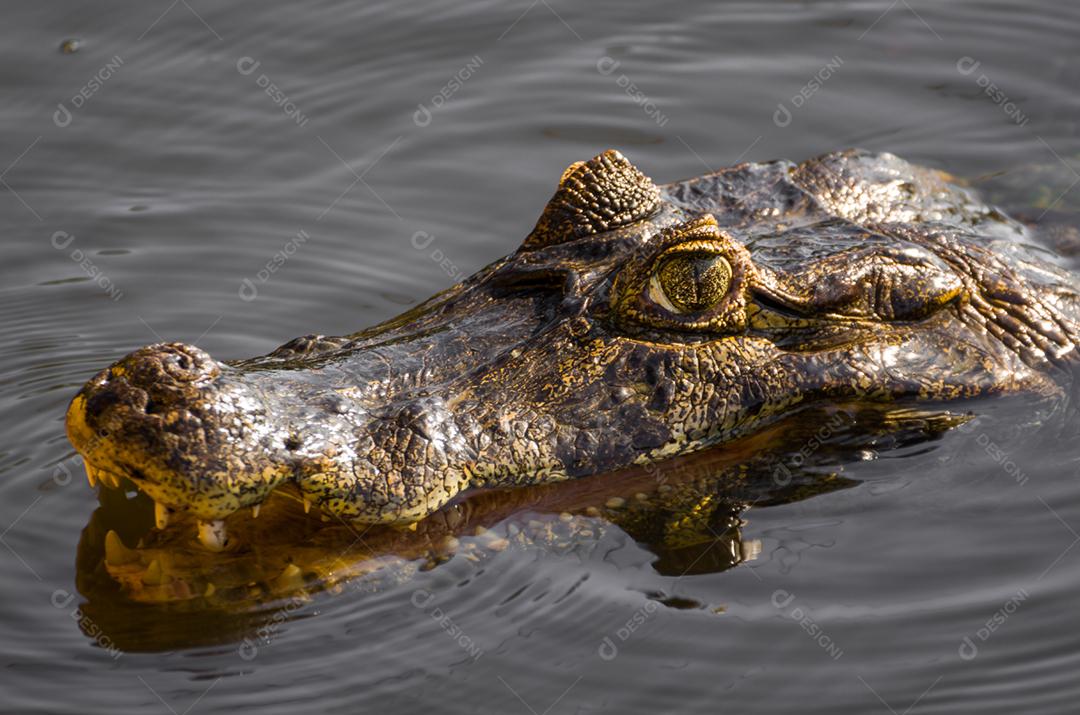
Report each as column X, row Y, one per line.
column 210, row 589
column 255, row 511
column 290, row 578
column 161, row 515
column 91, row 474
column 212, row 534
column 307, row 505
column 155, row 575
column 116, row 554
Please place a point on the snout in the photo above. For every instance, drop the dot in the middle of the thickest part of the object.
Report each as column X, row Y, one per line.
column 211, row 438
column 130, row 400
column 174, row 421
column 137, row 390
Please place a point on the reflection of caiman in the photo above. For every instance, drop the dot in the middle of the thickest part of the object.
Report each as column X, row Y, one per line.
column 635, row 323
column 686, row 510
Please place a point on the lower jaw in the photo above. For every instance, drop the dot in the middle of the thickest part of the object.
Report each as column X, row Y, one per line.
column 210, row 531
column 206, row 516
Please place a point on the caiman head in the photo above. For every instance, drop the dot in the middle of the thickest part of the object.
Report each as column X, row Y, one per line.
column 634, row 323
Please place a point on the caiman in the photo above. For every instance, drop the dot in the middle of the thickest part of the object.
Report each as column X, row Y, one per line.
column 636, row 322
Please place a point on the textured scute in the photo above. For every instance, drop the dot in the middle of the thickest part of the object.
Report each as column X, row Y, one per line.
column 854, row 277
column 594, row 196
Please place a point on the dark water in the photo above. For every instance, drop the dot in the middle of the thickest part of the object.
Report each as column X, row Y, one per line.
column 136, row 212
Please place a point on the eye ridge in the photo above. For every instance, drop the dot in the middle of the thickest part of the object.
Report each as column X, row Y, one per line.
column 690, row 281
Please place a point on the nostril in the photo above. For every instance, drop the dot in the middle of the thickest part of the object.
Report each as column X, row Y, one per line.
column 169, row 363
column 187, row 362
column 293, row 443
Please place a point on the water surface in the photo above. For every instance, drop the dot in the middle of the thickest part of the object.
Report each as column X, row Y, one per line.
column 237, row 176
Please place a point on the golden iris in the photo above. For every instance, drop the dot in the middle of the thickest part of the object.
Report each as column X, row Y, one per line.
column 691, row 282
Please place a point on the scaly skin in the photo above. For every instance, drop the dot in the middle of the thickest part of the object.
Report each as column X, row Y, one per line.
column 636, row 322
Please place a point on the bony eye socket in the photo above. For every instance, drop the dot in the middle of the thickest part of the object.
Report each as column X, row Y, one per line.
column 690, row 282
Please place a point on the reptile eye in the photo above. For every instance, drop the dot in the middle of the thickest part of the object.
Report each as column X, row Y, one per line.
column 690, row 282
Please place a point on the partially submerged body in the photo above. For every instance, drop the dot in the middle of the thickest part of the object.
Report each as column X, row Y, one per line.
column 688, row 511
column 636, row 323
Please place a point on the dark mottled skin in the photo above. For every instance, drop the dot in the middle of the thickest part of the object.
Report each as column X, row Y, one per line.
column 854, row 277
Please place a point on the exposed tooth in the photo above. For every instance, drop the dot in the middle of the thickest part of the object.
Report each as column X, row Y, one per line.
column 210, row 589
column 91, row 474
column 107, row 478
column 751, row 549
column 212, row 534
column 161, row 515
column 255, row 511
column 307, row 505
column 155, row 575
column 290, row 578
column 116, row 554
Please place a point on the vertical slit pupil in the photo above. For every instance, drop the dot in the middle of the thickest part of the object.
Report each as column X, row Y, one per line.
column 695, row 281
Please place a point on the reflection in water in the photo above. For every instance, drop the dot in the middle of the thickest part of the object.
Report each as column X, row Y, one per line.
column 687, row 512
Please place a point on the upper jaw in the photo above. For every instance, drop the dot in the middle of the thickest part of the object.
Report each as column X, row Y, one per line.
column 179, row 451
column 226, row 444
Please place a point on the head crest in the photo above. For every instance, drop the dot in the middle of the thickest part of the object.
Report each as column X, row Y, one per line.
column 594, row 196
